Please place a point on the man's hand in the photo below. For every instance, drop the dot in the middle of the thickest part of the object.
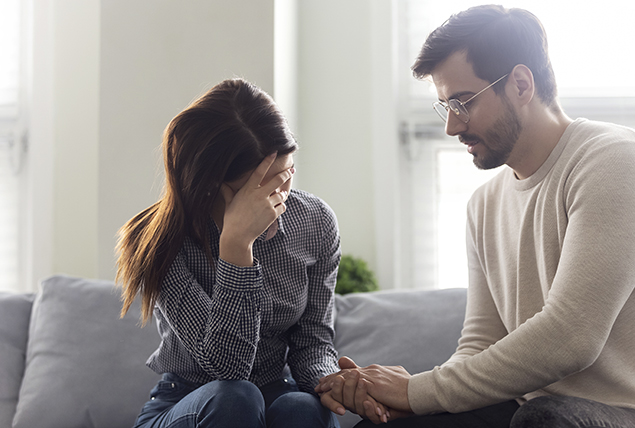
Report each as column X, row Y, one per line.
column 343, row 390
column 368, row 391
column 388, row 385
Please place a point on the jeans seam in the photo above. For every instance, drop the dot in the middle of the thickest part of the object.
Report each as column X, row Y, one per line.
column 182, row 417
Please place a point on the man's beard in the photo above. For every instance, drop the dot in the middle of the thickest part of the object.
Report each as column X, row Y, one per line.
column 499, row 140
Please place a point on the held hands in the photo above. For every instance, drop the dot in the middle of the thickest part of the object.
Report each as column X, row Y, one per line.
column 345, row 389
column 375, row 392
column 251, row 209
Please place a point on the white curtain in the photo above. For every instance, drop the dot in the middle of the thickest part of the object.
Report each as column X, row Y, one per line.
column 11, row 142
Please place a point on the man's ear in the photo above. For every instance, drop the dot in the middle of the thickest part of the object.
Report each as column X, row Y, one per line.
column 521, row 81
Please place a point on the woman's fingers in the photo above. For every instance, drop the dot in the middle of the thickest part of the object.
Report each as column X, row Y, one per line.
column 259, row 173
column 227, row 193
column 278, row 197
column 278, row 180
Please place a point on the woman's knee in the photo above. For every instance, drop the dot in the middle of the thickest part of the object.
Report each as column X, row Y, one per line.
column 232, row 394
column 230, row 403
column 299, row 409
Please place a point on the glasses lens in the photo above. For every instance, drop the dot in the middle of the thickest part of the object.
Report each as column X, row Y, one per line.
column 460, row 110
column 441, row 110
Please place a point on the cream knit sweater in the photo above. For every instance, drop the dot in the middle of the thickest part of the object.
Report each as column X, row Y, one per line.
column 551, row 308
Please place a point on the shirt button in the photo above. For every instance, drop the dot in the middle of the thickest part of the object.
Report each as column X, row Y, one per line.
column 173, row 385
column 286, row 381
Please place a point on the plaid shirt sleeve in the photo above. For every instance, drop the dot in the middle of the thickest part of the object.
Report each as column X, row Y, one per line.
column 221, row 332
column 311, row 352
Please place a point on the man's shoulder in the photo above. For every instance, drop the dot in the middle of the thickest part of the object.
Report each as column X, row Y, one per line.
column 596, row 132
column 597, row 143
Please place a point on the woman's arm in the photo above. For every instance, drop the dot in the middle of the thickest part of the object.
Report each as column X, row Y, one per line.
column 311, row 351
column 220, row 332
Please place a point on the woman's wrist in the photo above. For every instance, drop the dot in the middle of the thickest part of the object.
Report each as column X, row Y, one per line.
column 236, row 252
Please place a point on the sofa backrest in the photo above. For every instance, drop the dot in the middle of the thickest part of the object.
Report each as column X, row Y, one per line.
column 416, row 329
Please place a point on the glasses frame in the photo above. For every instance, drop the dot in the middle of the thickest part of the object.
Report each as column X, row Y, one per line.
column 455, row 105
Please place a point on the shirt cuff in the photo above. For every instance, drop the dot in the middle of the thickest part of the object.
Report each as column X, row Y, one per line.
column 239, row 278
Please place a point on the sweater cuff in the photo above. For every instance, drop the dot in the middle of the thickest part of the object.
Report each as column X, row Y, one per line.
column 422, row 395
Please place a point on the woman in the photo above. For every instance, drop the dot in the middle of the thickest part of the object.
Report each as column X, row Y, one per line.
column 239, row 270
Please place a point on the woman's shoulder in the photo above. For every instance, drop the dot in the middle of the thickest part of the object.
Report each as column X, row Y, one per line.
column 302, row 204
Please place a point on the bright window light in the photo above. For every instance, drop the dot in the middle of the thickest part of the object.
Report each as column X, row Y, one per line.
column 589, row 43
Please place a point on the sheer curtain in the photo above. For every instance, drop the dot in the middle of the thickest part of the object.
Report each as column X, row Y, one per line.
column 587, row 48
column 11, row 142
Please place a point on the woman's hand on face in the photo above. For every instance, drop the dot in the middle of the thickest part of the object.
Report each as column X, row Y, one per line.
column 251, row 210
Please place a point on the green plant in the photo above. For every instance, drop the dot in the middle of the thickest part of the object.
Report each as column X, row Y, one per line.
column 354, row 276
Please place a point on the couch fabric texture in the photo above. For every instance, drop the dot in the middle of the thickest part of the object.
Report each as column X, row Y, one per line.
column 68, row 361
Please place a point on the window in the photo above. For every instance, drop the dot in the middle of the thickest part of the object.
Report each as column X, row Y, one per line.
column 593, row 76
column 10, row 143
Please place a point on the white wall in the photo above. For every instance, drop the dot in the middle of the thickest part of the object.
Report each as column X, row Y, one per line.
column 76, row 38
column 108, row 76
column 156, row 57
column 347, row 123
column 114, row 72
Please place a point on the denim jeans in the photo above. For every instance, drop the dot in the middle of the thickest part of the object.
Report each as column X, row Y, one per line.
column 176, row 403
column 542, row 412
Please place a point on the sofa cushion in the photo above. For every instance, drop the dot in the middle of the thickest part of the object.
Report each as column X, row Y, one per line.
column 415, row 329
column 84, row 365
column 15, row 310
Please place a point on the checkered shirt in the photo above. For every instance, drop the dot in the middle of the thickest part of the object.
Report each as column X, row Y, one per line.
column 233, row 322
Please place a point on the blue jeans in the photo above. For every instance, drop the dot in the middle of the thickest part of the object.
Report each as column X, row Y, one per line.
column 542, row 412
column 177, row 403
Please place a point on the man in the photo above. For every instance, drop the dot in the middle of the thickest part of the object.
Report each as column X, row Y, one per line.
column 549, row 334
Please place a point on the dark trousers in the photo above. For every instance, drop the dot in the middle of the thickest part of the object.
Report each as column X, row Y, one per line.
column 542, row 412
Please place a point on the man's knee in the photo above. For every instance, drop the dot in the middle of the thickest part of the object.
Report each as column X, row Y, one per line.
column 548, row 411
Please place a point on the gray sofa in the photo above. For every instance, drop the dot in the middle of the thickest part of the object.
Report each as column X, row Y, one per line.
column 68, row 361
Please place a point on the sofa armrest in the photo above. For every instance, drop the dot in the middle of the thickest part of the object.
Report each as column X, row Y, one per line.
column 15, row 311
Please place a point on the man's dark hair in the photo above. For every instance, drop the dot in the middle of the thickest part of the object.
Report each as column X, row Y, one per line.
column 496, row 39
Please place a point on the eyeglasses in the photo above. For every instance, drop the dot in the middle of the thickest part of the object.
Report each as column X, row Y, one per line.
column 457, row 107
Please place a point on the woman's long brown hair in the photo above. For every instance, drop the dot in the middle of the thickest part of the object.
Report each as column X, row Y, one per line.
column 218, row 138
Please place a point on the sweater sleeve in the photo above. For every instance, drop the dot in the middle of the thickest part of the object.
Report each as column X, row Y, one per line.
column 594, row 279
column 220, row 332
column 483, row 325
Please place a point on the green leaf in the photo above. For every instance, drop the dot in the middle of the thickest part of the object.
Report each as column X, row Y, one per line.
column 354, row 276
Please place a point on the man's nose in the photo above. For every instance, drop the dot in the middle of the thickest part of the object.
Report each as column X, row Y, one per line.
column 454, row 125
